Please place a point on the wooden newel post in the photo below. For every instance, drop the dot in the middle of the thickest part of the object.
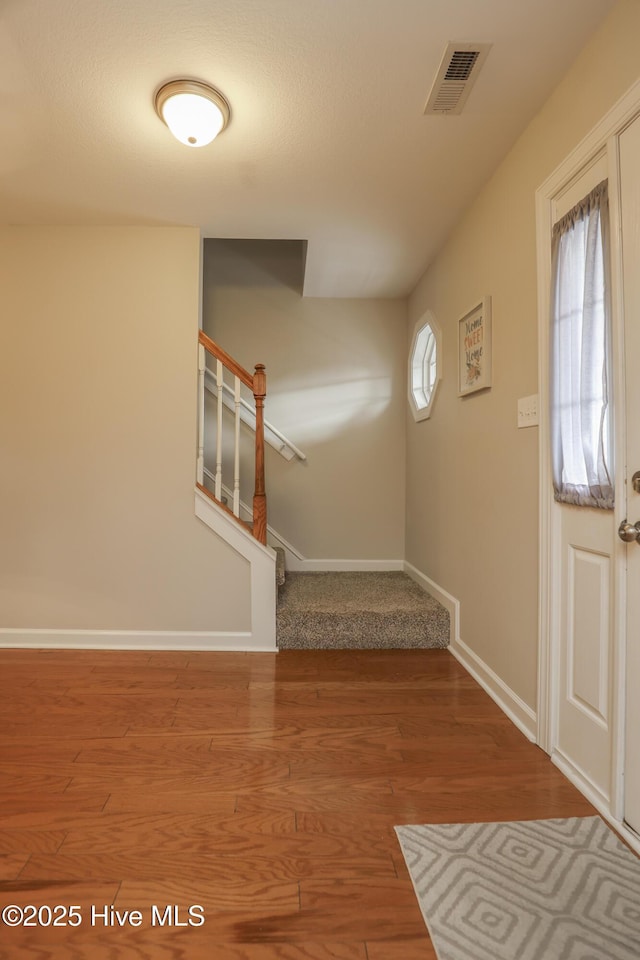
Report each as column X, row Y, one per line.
column 259, row 496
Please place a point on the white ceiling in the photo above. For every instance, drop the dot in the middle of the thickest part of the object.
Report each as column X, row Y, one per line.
column 327, row 140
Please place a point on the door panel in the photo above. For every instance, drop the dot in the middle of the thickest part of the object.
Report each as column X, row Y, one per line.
column 584, row 716
column 630, row 197
column 584, row 598
column 588, row 635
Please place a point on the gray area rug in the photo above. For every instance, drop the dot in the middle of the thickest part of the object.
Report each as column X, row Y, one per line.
column 531, row 890
column 386, row 610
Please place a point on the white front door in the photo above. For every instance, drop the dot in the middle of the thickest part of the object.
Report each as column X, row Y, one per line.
column 589, row 693
column 584, row 592
column 630, row 208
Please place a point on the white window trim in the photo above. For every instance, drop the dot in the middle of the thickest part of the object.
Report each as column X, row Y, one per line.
column 424, row 412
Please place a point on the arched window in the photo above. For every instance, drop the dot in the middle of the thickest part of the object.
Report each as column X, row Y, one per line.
column 424, row 366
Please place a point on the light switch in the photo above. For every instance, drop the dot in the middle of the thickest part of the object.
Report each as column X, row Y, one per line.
column 528, row 411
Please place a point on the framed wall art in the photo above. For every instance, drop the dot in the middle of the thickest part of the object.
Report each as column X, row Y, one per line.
column 474, row 349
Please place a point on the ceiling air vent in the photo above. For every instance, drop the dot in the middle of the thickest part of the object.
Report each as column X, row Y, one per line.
column 456, row 76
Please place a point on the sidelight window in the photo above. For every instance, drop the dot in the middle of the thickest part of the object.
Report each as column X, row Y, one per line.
column 581, row 415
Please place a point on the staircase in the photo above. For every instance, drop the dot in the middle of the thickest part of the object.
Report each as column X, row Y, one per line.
column 337, row 611
column 354, row 610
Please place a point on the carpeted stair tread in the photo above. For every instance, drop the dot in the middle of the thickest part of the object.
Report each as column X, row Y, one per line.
column 358, row 611
column 280, row 571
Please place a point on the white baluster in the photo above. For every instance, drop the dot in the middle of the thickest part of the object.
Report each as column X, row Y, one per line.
column 200, row 460
column 236, row 461
column 219, row 383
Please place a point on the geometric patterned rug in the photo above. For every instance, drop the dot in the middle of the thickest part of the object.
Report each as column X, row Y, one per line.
column 528, row 890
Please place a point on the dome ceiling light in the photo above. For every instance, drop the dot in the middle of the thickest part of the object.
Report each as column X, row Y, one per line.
column 194, row 112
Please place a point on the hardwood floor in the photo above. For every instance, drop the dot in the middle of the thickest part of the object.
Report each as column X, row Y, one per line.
column 262, row 787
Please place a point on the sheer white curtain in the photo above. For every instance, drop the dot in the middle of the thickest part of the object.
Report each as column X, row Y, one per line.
column 581, row 428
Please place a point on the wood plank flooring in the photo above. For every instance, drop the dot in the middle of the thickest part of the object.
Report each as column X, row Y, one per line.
column 263, row 788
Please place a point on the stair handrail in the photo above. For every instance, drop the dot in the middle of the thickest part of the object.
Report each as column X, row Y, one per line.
column 257, row 383
column 285, row 447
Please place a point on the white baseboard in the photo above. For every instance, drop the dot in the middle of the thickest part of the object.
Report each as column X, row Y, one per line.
column 438, row 593
column 509, row 702
column 295, row 562
column 131, row 640
column 303, row 565
column 262, row 564
column 629, row 836
column 595, row 796
column 262, row 599
column 581, row 780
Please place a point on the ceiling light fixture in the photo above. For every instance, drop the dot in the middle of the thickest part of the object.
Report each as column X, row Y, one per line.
column 194, row 112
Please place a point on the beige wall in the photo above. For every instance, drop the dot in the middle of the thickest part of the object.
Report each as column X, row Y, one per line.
column 472, row 476
column 336, row 388
column 98, row 425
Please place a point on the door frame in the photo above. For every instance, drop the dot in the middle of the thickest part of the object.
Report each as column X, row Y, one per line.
column 603, row 138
